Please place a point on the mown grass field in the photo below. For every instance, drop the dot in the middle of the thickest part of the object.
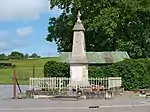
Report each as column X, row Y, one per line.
column 24, row 70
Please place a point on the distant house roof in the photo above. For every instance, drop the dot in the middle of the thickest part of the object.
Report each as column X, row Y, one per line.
column 98, row 57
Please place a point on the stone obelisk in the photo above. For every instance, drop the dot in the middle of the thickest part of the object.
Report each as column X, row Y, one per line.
column 78, row 61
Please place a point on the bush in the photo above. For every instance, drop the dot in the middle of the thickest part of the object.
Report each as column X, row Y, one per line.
column 6, row 65
column 135, row 73
column 56, row 69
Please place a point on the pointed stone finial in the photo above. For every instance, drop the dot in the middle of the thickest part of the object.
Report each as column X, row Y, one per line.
column 78, row 17
column 78, row 25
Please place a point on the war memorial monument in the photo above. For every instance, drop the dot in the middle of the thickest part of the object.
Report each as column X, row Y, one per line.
column 79, row 60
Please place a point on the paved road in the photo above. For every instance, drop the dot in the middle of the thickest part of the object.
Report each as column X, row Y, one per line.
column 116, row 105
column 6, row 91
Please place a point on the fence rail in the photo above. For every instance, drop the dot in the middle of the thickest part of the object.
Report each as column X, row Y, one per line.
column 63, row 82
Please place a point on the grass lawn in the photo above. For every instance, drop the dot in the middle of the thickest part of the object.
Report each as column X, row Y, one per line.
column 24, row 69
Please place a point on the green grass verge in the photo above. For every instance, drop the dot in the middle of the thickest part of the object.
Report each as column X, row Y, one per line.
column 24, row 69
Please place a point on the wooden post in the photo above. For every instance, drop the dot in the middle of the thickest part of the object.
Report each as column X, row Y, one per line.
column 33, row 71
column 14, row 84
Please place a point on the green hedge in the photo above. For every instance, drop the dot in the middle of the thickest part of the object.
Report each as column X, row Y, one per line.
column 135, row 73
column 6, row 65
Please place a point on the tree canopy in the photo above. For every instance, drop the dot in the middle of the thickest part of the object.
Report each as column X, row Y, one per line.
column 110, row 25
column 18, row 55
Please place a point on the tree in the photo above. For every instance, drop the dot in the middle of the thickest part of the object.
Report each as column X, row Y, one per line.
column 3, row 57
column 34, row 55
column 16, row 55
column 110, row 25
column 26, row 55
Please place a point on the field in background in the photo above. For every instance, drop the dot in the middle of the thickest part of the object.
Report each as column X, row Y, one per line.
column 24, row 69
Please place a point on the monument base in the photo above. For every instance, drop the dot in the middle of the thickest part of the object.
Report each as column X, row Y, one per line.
column 79, row 84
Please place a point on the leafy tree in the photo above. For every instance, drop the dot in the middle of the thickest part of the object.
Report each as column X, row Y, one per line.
column 16, row 55
column 3, row 57
column 26, row 55
column 109, row 25
column 34, row 55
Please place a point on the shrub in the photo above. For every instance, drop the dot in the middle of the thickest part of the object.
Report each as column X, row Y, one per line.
column 6, row 65
column 56, row 69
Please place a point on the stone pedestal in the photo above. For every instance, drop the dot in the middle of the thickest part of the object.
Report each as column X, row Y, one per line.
column 79, row 75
